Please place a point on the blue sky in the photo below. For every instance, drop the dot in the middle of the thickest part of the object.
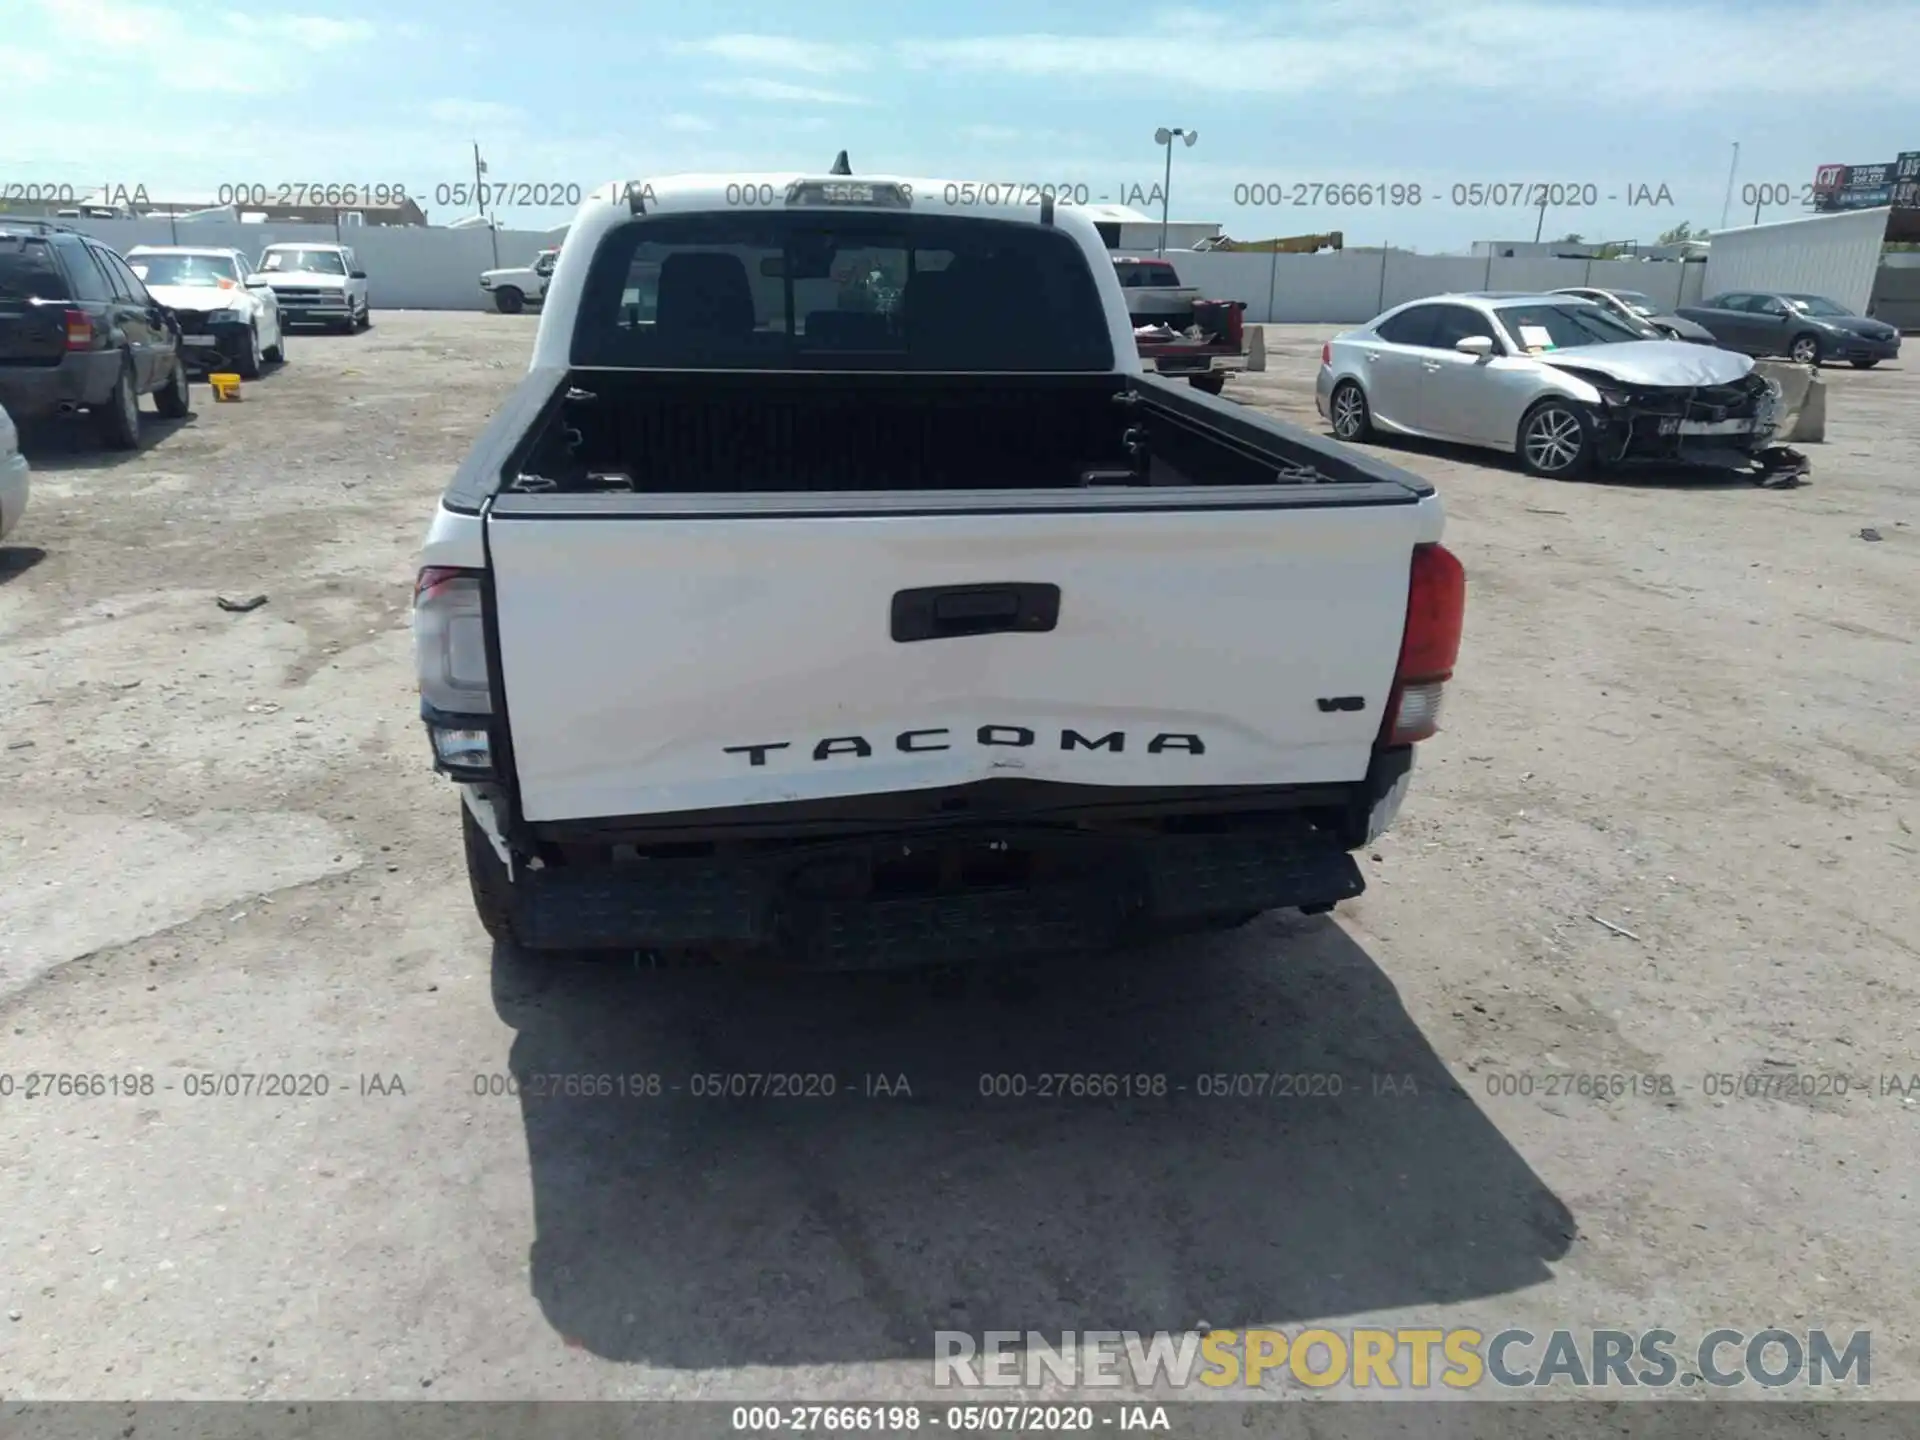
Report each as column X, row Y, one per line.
column 1612, row 94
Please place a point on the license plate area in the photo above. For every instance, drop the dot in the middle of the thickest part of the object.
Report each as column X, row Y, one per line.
column 1673, row 425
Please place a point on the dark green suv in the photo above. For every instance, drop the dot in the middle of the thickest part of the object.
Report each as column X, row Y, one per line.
column 78, row 331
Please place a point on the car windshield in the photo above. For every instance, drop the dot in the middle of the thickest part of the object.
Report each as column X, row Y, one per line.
column 1635, row 301
column 1562, row 327
column 1817, row 305
column 312, row 262
column 211, row 271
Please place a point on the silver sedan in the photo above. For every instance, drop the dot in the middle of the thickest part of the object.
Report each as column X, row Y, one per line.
column 1559, row 382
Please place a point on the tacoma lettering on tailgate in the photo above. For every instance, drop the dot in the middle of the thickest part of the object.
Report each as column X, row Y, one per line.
column 913, row 742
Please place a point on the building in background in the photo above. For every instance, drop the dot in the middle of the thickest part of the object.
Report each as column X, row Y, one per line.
column 1122, row 227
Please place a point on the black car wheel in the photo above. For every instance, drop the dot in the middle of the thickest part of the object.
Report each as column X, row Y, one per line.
column 172, row 399
column 488, row 880
column 1213, row 384
column 277, row 352
column 1347, row 410
column 1555, row 441
column 1805, row 350
column 249, row 362
column 1866, row 364
column 118, row 419
column 510, row 300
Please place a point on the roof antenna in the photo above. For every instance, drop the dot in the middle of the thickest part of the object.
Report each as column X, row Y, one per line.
column 840, row 165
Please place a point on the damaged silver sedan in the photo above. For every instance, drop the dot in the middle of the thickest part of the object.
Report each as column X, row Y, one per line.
column 1558, row 382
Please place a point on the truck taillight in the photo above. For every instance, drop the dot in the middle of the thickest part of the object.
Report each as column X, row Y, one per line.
column 79, row 330
column 1326, row 353
column 1436, row 612
column 450, row 658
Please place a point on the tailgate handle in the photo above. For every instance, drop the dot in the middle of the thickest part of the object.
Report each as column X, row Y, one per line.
column 944, row 611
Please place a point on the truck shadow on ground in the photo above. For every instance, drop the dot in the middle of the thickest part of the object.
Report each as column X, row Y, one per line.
column 702, row 1232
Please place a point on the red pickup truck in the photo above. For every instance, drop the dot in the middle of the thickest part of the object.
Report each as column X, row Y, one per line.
column 1179, row 333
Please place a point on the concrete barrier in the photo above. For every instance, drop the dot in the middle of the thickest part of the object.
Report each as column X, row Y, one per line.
column 1804, row 395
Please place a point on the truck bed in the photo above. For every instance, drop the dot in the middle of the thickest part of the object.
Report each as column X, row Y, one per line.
column 781, row 436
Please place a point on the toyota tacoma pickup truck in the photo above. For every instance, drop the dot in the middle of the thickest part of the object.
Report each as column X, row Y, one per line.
column 775, row 616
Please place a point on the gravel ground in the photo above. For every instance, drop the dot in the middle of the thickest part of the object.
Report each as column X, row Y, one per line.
column 1684, row 710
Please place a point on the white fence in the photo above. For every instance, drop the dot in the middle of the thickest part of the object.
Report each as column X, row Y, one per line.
column 408, row 267
column 419, row 268
column 1349, row 287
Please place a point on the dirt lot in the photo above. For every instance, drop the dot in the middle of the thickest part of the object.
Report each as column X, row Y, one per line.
column 1686, row 710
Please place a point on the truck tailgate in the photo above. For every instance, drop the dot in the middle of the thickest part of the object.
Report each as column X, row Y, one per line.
column 652, row 663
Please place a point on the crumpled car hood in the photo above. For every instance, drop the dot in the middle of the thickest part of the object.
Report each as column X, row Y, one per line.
column 1655, row 362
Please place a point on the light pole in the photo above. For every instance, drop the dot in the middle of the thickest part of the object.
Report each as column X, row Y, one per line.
column 1732, row 170
column 1164, row 136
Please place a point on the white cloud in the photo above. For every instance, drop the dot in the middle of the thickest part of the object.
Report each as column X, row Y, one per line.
column 169, row 45
column 778, row 52
column 1392, row 46
column 474, row 112
column 311, row 32
column 780, row 90
column 689, row 124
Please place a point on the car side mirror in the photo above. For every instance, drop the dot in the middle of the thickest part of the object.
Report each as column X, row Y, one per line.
column 256, row 281
column 357, row 275
column 1479, row 346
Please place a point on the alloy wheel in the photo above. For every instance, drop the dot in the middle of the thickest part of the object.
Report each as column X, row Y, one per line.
column 1553, row 440
column 1348, row 412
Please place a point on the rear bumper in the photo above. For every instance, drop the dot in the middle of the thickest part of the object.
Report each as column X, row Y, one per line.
column 811, row 914
column 1202, row 364
column 1044, row 869
column 84, row 378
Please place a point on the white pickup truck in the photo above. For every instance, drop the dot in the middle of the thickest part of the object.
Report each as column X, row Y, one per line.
column 778, row 614
column 513, row 288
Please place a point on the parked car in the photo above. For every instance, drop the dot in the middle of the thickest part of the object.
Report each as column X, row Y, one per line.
column 1810, row 329
column 318, row 285
column 79, row 331
column 1641, row 312
column 228, row 313
column 516, row 288
column 1084, row 658
column 1559, row 382
column 13, row 476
